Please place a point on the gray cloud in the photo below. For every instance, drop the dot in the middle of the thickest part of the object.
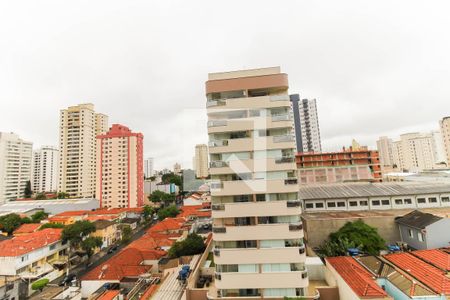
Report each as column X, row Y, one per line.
column 376, row 68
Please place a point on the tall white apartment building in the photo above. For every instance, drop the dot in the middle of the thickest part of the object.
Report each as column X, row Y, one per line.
column 417, row 152
column 445, row 131
column 45, row 169
column 79, row 126
column 201, row 161
column 15, row 166
column 440, row 155
column 257, row 230
column 306, row 124
column 149, row 167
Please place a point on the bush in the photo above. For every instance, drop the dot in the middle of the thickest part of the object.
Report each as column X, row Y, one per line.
column 40, row 284
column 51, row 225
column 193, row 244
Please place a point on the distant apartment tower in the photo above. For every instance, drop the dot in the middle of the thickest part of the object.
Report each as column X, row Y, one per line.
column 120, row 177
column 306, row 124
column 445, row 131
column 149, row 167
column 79, row 126
column 257, row 230
column 201, row 161
column 45, row 169
column 15, row 166
column 177, row 168
column 348, row 165
column 384, row 146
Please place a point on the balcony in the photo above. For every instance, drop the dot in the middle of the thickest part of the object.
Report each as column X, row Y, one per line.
column 218, row 164
column 242, row 187
column 283, row 117
column 214, row 103
column 295, row 227
column 283, row 138
column 219, row 230
column 262, row 280
column 260, row 256
column 249, row 102
column 257, row 209
column 216, row 123
column 258, row 232
column 252, row 165
column 37, row 271
column 252, row 144
column 279, row 98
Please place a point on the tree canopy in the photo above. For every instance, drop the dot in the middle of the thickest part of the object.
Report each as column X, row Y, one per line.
column 39, row 216
column 172, row 178
column 10, row 222
column 51, row 225
column 353, row 235
column 192, row 244
column 148, row 212
column 90, row 244
column 76, row 232
column 159, row 196
column 126, row 234
column 168, row 212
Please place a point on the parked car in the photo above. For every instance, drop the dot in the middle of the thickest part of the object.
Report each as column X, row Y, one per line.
column 67, row 279
column 113, row 249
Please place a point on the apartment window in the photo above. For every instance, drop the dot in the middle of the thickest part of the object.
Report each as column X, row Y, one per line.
column 385, row 202
column 432, row 200
column 375, row 202
column 319, row 205
column 331, row 204
column 24, row 258
column 421, row 200
column 398, row 201
column 363, row 203
column 420, row 236
column 408, row 201
column 309, row 205
column 410, row 233
column 353, row 203
column 445, row 199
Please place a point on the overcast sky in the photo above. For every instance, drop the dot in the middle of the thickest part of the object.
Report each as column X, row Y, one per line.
column 376, row 67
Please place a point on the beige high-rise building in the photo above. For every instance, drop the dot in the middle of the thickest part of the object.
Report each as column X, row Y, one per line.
column 201, row 161
column 45, row 169
column 79, row 126
column 120, row 167
column 445, row 132
column 257, row 230
column 384, row 147
column 15, row 166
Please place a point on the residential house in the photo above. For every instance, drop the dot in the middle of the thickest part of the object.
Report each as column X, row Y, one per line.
column 34, row 255
column 107, row 231
column 27, row 229
column 421, row 230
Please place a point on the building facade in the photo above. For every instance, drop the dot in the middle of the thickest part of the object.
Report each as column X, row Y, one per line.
column 306, row 124
column 445, row 131
column 414, row 152
column 120, row 178
column 349, row 164
column 149, row 167
column 45, row 169
column 79, row 126
column 15, row 166
column 201, row 161
column 257, row 230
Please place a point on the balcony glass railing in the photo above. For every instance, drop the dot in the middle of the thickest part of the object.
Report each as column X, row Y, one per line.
column 287, row 159
column 279, row 98
column 284, row 117
column 218, row 143
column 212, row 103
column 283, row 138
column 216, row 123
column 289, row 181
column 218, row 164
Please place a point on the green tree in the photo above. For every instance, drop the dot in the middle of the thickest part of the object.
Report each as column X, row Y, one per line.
column 51, row 225
column 28, row 191
column 76, row 232
column 126, row 234
column 10, row 222
column 39, row 216
column 159, row 196
column 191, row 245
column 353, row 234
column 168, row 212
column 39, row 284
column 41, row 196
column 90, row 244
column 172, row 178
column 148, row 212
column 62, row 195
column 26, row 220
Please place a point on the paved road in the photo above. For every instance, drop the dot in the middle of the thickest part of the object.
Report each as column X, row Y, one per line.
column 103, row 255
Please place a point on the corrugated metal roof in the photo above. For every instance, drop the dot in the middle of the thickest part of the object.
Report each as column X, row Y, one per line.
column 357, row 190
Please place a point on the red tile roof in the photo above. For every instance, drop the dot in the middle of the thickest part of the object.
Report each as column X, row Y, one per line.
column 429, row 275
column 357, row 278
column 126, row 263
column 108, row 295
column 27, row 228
column 115, row 211
column 72, row 213
column 194, row 210
column 151, row 241
column 101, row 217
column 168, row 224
column 27, row 243
column 436, row 257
